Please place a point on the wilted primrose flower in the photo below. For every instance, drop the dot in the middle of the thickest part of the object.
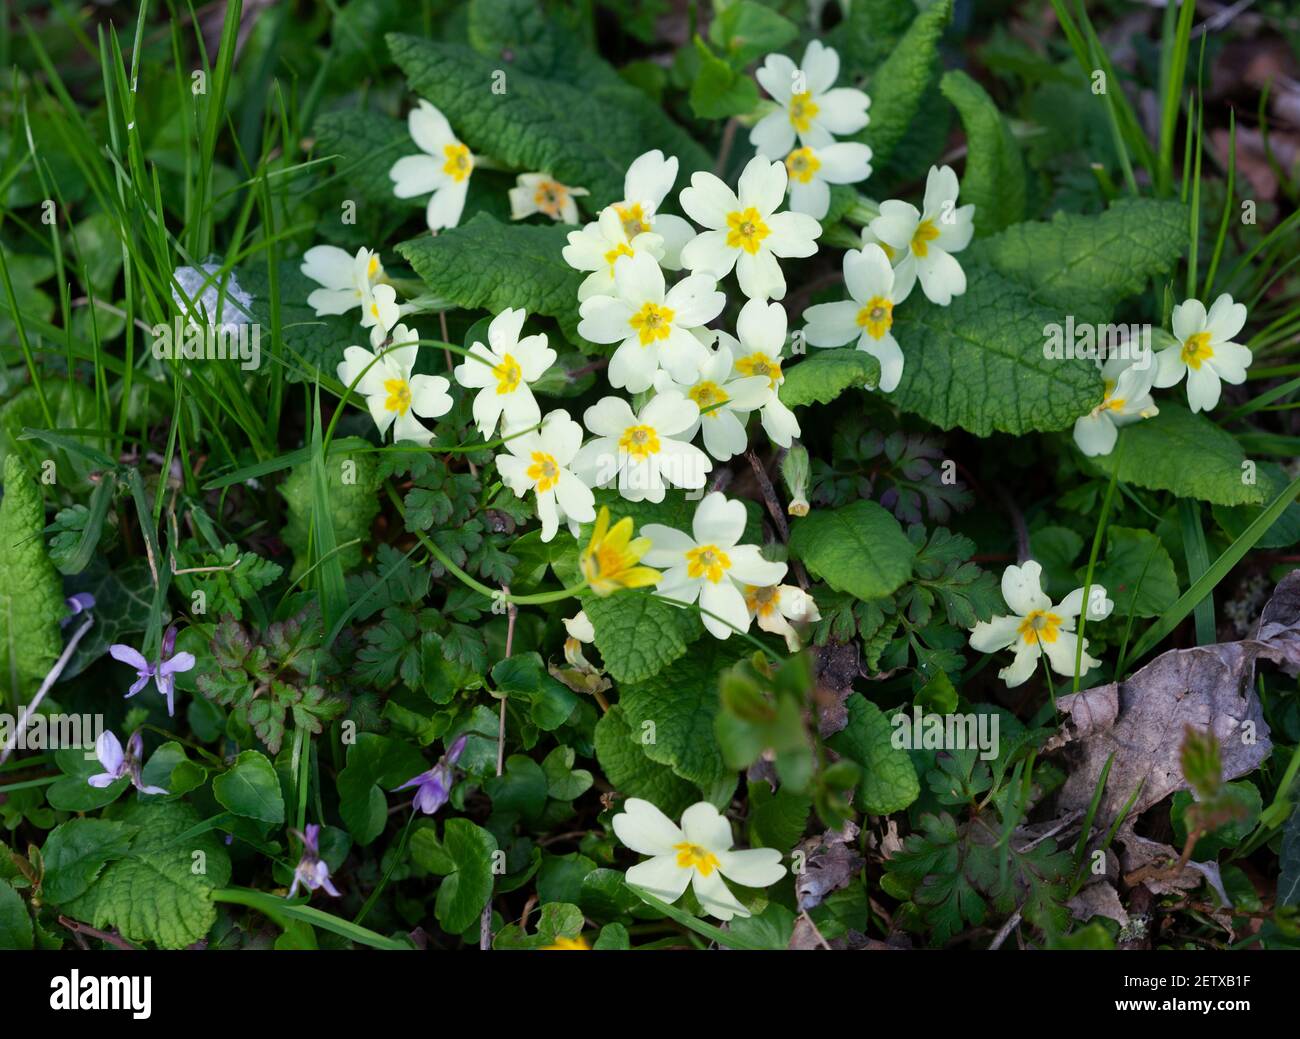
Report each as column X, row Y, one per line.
column 610, row 559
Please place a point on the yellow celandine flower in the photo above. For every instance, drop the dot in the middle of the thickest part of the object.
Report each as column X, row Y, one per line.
column 578, row 944
column 610, row 560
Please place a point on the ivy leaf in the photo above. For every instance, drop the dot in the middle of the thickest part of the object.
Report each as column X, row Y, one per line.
column 859, row 549
column 251, row 789
column 637, row 634
column 899, row 85
column 1084, row 265
column 488, row 265
column 681, row 703
column 888, row 781
column 994, row 178
column 631, row 772
column 465, row 891
column 824, row 375
column 31, row 594
column 979, row 362
column 1184, row 453
column 76, row 851
column 1135, row 562
column 583, row 135
column 156, row 894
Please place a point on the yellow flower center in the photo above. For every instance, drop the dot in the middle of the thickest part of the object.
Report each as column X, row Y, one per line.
column 562, row 944
column 374, row 311
column 877, row 316
column 1197, row 350
column 1040, row 626
column 1109, row 403
column 758, row 363
column 746, row 230
column 802, row 111
column 640, row 441
column 508, row 374
column 399, row 395
column 802, row 164
column 459, row 164
column 633, row 218
column 924, row 234
column 889, row 251
column 689, row 855
column 708, row 395
column 707, row 561
column 373, row 266
column 612, row 256
column 762, row 601
column 550, row 197
column 653, row 321
column 544, row 472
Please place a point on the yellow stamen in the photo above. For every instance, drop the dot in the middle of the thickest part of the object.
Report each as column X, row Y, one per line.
column 610, row 559
column 889, row 251
column 633, row 219
column 640, row 442
column 708, row 561
column 508, row 374
column 459, row 163
column 1040, row 626
column 652, row 322
column 708, row 394
column 746, row 230
column 612, row 256
column 702, row 859
column 758, row 363
column 762, row 602
column 802, row 164
column 877, row 316
column 544, row 472
column 550, row 197
column 1197, row 350
column 399, row 395
column 924, row 234
column 802, row 111
column 372, row 266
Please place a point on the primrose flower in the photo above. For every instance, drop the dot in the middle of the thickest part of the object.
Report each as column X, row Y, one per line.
column 1204, row 351
column 538, row 461
column 346, row 281
column 502, row 371
column 924, row 241
column 1128, row 399
column 580, row 632
column 311, row 871
column 876, row 288
column 709, row 565
column 725, row 398
column 779, row 607
column 163, row 672
column 640, row 452
column 433, row 787
column 697, row 853
column 810, row 109
column 1036, row 627
column 756, row 350
column 813, row 170
column 651, row 326
column 542, row 193
column 600, row 245
column 609, row 562
column 645, row 185
column 744, row 230
column 443, row 169
column 118, row 764
column 393, row 395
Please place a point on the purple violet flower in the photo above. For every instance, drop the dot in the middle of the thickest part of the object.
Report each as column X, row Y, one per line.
column 163, row 673
column 434, row 786
column 118, row 764
column 311, row 870
column 79, row 603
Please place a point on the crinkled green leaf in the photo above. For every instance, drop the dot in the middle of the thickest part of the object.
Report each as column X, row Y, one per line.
column 1186, row 454
column 161, row 891
column 1285, row 530
column 824, row 374
column 632, row 772
column 76, row 851
column 637, row 634
column 994, row 177
column 978, row 363
column 488, row 265
column 31, row 592
column 888, row 781
column 859, row 549
column 352, row 496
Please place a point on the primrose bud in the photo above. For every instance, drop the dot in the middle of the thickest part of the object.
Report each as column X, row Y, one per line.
column 795, row 471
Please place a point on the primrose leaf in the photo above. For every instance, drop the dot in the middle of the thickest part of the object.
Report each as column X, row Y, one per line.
column 637, row 634
column 76, row 851
column 353, row 503
column 1136, row 572
column 888, row 782
column 994, row 178
column 631, row 772
column 859, row 549
column 824, row 374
